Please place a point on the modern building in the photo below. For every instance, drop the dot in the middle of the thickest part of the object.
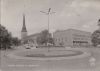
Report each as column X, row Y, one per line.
column 72, row 37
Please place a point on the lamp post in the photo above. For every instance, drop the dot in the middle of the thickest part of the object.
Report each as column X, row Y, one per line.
column 99, row 24
column 48, row 13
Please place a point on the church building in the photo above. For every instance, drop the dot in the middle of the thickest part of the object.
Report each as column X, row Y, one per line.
column 25, row 38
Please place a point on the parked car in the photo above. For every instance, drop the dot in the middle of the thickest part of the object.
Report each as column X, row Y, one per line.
column 27, row 46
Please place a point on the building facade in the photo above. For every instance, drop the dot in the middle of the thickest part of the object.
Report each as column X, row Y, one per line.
column 72, row 37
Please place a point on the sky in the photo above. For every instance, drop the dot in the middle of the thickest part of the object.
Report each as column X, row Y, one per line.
column 76, row 14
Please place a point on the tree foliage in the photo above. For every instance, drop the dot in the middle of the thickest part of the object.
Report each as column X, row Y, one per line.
column 6, row 39
column 44, row 38
column 15, row 41
column 96, row 38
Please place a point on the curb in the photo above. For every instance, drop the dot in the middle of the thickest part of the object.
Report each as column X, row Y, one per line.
column 12, row 55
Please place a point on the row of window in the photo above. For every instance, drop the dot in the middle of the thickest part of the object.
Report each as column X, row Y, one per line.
column 80, row 42
column 60, row 39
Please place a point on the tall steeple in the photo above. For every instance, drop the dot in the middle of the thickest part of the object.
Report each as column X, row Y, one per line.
column 24, row 30
column 24, row 26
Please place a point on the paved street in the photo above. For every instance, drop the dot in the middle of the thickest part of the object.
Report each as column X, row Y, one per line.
column 77, row 64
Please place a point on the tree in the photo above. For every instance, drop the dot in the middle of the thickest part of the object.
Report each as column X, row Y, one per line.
column 44, row 38
column 6, row 39
column 15, row 41
column 95, row 38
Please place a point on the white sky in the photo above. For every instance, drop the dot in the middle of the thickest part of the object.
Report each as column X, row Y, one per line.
column 78, row 14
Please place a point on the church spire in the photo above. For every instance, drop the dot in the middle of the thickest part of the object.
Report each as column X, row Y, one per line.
column 24, row 26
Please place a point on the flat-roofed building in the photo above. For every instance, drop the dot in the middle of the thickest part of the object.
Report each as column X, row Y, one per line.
column 72, row 37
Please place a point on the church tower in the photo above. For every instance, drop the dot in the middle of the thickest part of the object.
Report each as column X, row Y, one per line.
column 24, row 30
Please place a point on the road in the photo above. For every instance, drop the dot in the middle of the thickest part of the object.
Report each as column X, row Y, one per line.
column 77, row 64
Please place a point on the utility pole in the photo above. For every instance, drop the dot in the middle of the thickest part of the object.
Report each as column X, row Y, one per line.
column 48, row 13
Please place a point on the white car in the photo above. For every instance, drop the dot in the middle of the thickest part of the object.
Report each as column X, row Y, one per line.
column 27, row 46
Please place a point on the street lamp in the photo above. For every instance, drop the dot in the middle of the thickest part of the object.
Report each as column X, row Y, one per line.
column 48, row 13
column 99, row 24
